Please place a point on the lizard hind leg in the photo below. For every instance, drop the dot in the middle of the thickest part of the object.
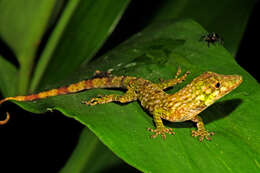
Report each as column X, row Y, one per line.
column 201, row 132
column 127, row 97
column 160, row 128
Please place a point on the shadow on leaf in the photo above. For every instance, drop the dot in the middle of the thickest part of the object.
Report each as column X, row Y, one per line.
column 220, row 110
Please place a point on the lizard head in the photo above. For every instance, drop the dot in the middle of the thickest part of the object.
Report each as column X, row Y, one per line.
column 203, row 91
column 211, row 86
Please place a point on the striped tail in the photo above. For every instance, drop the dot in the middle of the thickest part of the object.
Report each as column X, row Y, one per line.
column 104, row 82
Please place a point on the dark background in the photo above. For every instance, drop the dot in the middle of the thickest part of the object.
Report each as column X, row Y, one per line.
column 30, row 142
column 248, row 52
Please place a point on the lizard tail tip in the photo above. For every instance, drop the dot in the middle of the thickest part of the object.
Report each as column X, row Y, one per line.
column 2, row 122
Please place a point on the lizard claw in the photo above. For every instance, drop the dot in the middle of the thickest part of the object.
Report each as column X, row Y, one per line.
column 203, row 134
column 161, row 131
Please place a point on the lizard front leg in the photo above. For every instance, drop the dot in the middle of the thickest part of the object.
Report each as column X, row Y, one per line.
column 169, row 83
column 202, row 132
column 127, row 97
column 160, row 128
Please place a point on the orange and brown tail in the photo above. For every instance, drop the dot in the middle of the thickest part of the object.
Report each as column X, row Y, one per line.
column 103, row 82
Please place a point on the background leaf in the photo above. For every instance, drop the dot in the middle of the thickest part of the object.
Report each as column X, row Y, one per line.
column 92, row 156
column 8, row 78
column 82, row 30
column 123, row 127
column 22, row 26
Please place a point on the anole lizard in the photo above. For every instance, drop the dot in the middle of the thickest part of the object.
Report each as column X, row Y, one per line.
column 181, row 106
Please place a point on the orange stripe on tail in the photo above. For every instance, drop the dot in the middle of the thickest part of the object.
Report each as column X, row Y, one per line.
column 104, row 82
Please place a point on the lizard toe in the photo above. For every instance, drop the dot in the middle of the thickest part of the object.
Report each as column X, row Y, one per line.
column 202, row 134
column 161, row 131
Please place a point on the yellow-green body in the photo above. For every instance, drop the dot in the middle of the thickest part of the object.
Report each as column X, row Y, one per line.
column 184, row 105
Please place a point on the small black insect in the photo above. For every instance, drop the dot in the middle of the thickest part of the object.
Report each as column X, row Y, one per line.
column 212, row 38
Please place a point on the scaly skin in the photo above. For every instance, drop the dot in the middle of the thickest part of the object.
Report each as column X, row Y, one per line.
column 184, row 105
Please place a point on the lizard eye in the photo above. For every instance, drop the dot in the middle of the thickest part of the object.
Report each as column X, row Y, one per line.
column 217, row 85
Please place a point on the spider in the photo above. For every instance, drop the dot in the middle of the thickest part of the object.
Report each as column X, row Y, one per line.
column 212, row 38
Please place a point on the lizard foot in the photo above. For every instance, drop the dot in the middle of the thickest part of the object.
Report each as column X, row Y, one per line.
column 99, row 100
column 161, row 131
column 93, row 101
column 203, row 134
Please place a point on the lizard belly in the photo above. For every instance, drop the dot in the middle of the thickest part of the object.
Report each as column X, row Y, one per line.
column 177, row 116
column 151, row 98
column 178, row 111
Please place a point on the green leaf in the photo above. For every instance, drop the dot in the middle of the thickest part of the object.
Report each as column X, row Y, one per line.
column 23, row 23
column 81, row 31
column 156, row 53
column 214, row 15
column 91, row 156
column 8, row 78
